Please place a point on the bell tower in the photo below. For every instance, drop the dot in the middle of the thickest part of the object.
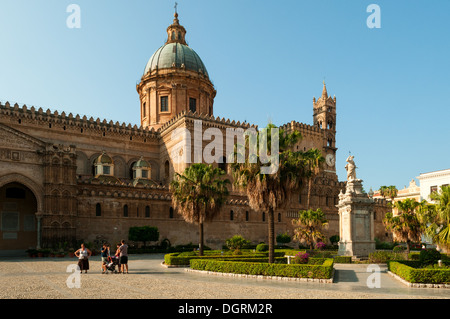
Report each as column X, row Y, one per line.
column 324, row 116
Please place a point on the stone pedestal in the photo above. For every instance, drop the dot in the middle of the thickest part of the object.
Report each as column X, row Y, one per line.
column 356, row 224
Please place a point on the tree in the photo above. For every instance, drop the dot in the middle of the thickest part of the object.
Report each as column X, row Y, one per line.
column 309, row 225
column 313, row 160
column 406, row 225
column 438, row 217
column 198, row 195
column 144, row 234
column 389, row 192
column 236, row 243
column 270, row 192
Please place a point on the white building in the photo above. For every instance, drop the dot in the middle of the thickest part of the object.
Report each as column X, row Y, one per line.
column 432, row 181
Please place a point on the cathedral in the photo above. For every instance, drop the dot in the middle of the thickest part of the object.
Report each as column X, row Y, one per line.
column 69, row 178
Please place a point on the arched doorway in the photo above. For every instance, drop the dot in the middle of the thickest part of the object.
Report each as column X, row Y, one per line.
column 18, row 224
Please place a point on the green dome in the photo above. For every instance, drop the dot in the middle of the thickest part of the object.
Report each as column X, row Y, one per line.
column 141, row 163
column 176, row 55
column 104, row 159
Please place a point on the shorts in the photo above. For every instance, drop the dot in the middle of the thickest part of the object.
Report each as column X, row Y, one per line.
column 124, row 260
column 104, row 260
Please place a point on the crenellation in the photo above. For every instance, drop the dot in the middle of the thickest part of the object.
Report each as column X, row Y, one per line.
column 55, row 117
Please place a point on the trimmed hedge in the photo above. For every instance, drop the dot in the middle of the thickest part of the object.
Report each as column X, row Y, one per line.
column 343, row 259
column 175, row 259
column 408, row 271
column 320, row 271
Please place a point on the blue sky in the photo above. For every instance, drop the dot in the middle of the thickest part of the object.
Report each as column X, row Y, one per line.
column 267, row 60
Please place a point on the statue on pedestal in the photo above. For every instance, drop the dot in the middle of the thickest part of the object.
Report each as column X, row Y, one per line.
column 351, row 168
column 356, row 222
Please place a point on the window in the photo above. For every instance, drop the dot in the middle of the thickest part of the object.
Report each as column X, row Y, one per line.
column 433, row 189
column 144, row 173
column 166, row 170
column 231, row 215
column 299, row 198
column 106, row 170
column 125, row 211
column 147, row 211
column 144, row 111
column 171, row 212
column 247, row 216
column 263, row 217
column 279, row 217
column 192, row 105
column 98, row 209
column 164, row 104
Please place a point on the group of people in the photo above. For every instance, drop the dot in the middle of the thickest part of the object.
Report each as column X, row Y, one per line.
column 121, row 253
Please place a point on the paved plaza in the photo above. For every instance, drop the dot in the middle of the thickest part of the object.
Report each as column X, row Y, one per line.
column 46, row 278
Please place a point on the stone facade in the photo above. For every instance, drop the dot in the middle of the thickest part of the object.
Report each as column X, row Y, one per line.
column 53, row 158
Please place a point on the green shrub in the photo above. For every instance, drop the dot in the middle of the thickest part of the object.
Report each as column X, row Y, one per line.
column 188, row 253
column 183, row 259
column 262, row 247
column 322, row 271
column 343, row 259
column 399, row 249
column 384, row 256
column 334, row 239
column 237, row 242
column 410, row 272
column 413, row 256
column 429, row 256
column 283, row 238
column 384, row 245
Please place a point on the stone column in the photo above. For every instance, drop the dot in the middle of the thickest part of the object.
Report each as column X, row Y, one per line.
column 39, row 216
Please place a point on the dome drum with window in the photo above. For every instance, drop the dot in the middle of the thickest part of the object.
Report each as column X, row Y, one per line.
column 104, row 165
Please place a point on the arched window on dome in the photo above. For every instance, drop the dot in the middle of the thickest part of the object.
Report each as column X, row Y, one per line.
column 192, row 105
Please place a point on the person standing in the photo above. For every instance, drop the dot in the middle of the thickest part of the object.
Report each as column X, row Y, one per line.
column 124, row 256
column 105, row 257
column 83, row 255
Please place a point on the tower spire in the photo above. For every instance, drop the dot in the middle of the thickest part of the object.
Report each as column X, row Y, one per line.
column 324, row 91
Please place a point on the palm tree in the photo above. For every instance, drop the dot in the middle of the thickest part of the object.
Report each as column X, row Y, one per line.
column 406, row 225
column 439, row 213
column 389, row 192
column 313, row 160
column 309, row 226
column 198, row 195
column 270, row 192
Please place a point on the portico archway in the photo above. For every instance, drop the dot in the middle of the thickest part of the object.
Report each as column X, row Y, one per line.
column 18, row 223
